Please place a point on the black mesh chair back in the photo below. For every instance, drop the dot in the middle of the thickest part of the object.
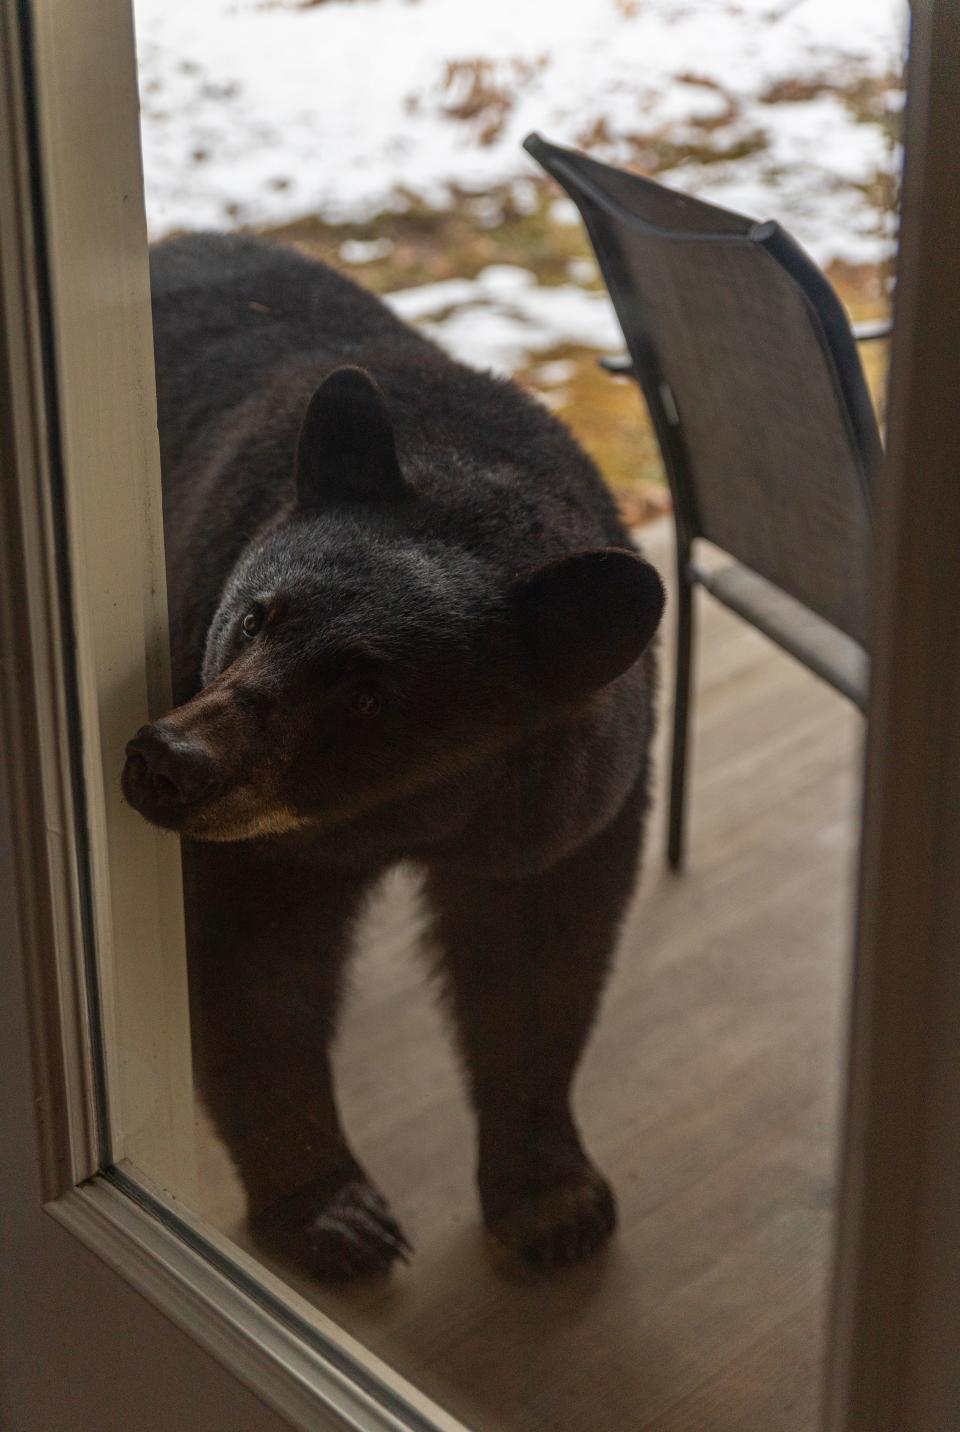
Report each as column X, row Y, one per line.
column 753, row 382
column 752, row 379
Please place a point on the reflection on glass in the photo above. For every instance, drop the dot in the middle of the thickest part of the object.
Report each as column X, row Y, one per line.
column 414, row 701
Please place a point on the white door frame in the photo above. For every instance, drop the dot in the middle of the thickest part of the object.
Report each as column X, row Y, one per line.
column 895, row 1344
column 76, row 396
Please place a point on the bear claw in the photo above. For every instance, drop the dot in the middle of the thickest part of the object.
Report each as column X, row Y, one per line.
column 351, row 1234
column 561, row 1226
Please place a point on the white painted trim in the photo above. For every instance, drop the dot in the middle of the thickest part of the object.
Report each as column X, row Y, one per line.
column 86, row 109
column 261, row 1332
column 35, row 689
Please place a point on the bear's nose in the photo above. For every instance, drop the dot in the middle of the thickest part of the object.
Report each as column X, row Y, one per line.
column 166, row 770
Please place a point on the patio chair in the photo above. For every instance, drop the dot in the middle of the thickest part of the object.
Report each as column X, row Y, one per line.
column 753, row 382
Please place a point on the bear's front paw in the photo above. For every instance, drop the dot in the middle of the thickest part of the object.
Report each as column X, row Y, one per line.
column 561, row 1225
column 337, row 1236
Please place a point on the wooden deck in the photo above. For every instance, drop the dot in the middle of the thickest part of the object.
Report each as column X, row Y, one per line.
column 709, row 1095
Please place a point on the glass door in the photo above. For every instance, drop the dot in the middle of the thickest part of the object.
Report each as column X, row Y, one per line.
column 449, row 1257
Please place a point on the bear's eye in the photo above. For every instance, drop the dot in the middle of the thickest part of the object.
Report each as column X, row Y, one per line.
column 366, row 702
column 252, row 622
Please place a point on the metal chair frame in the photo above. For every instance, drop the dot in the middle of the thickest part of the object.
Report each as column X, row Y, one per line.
column 838, row 343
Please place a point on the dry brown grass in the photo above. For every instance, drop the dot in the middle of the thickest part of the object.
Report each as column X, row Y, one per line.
column 482, row 93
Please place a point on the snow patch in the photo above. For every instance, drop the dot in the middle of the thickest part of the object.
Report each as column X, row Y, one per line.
column 259, row 113
column 501, row 317
column 364, row 251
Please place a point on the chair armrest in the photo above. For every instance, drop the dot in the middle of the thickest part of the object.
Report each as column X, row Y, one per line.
column 618, row 363
column 872, row 329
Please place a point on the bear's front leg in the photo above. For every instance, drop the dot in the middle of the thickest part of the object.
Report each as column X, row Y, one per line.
column 525, row 962
column 267, row 944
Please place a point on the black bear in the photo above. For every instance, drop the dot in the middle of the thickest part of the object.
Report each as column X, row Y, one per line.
column 407, row 624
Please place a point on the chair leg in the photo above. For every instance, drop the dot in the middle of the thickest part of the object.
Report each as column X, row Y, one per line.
column 676, row 841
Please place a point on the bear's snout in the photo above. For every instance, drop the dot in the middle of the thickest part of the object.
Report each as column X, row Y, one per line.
column 167, row 772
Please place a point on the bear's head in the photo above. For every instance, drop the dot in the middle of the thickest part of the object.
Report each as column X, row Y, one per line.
column 355, row 661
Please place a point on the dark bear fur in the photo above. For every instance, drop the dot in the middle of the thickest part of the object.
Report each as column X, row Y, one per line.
column 407, row 625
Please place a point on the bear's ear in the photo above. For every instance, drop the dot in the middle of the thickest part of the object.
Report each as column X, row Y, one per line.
column 346, row 447
column 586, row 618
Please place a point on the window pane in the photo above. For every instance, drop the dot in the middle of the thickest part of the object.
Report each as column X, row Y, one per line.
column 555, row 1144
